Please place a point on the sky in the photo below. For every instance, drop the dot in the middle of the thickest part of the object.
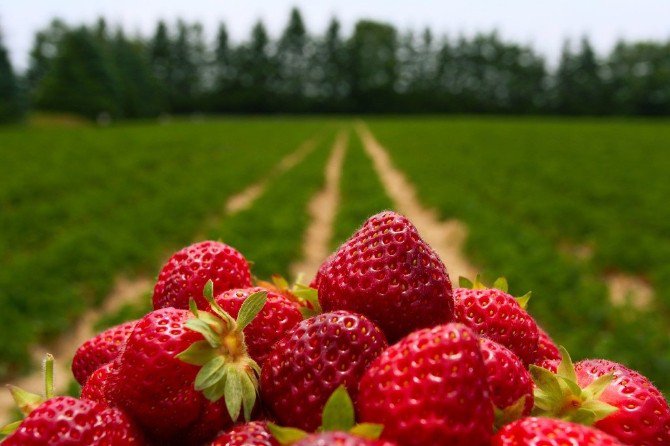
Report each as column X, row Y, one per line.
column 543, row 24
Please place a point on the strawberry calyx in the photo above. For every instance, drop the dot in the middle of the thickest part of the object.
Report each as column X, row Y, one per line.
column 26, row 401
column 306, row 297
column 338, row 416
column 510, row 413
column 226, row 370
column 558, row 395
column 500, row 284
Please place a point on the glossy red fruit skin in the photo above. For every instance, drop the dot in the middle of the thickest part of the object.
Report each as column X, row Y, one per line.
column 254, row 433
column 546, row 348
column 430, row 388
column 386, row 272
column 277, row 316
column 157, row 389
column 67, row 421
column 508, row 379
column 100, row 350
column 312, row 360
column 185, row 274
column 95, row 388
column 496, row 315
column 550, row 432
column 339, row 439
column 644, row 415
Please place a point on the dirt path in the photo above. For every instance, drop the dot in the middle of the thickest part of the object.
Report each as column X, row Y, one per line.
column 446, row 237
column 322, row 210
column 126, row 291
column 626, row 288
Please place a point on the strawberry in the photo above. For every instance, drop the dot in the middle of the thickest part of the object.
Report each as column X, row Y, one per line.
column 69, row 421
column 547, row 432
column 183, row 378
column 186, row 272
column 95, row 388
column 608, row 396
column 312, row 360
column 254, row 433
column 316, row 281
column 99, row 350
column 497, row 315
column 548, row 356
column 430, row 388
column 510, row 383
column 277, row 316
column 386, row 272
column 339, row 439
column 338, row 427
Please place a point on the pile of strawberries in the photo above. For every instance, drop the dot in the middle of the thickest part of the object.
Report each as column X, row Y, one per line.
column 380, row 337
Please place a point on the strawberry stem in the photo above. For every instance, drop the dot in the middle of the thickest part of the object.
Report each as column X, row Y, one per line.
column 48, row 367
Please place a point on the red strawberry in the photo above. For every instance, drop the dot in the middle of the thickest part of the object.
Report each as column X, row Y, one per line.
column 339, row 439
column 510, row 383
column 100, row 350
column 386, row 272
column 254, row 433
column 643, row 417
column 67, row 421
column 495, row 314
column 277, row 316
column 608, row 395
column 184, row 379
column 186, row 272
column 312, row 360
column 95, row 388
column 547, row 349
column 430, row 388
column 547, row 432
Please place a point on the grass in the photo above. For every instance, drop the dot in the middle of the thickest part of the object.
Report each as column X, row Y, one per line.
column 81, row 206
column 526, row 187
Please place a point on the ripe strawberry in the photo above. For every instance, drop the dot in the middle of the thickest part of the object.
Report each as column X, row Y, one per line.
column 95, row 388
column 510, row 383
column 312, row 360
column 184, row 379
column 277, row 316
column 254, row 433
column 186, row 272
column 548, row 432
column 100, row 350
column 495, row 314
column 546, row 348
column 643, row 417
column 608, row 396
column 339, row 439
column 430, row 388
column 67, row 421
column 386, row 272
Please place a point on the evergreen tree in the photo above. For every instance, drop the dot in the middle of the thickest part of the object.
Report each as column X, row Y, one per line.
column 160, row 58
column 258, row 72
column 293, row 62
column 373, row 66
column 186, row 63
column 43, row 51
column 579, row 87
column 10, row 98
column 329, row 71
column 81, row 79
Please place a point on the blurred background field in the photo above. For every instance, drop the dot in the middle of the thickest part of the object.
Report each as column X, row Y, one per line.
column 120, row 147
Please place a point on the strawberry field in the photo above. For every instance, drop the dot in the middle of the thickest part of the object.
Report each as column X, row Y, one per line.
column 556, row 206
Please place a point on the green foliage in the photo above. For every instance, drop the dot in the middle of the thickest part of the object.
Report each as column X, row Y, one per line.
column 271, row 232
column 81, row 206
column 361, row 193
column 529, row 189
column 10, row 93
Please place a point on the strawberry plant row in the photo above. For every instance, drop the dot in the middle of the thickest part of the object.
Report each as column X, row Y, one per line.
column 527, row 188
column 80, row 206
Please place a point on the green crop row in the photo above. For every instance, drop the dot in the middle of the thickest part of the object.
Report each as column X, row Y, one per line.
column 525, row 188
column 361, row 193
column 81, row 206
column 270, row 233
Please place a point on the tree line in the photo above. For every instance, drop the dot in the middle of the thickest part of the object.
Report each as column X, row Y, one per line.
column 94, row 70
